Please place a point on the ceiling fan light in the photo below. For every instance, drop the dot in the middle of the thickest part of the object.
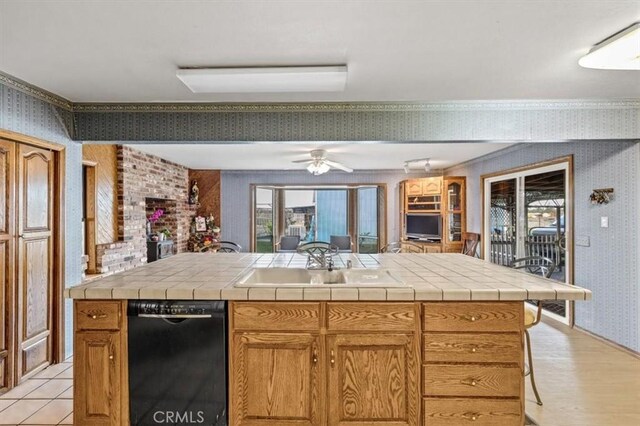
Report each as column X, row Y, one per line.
column 318, row 168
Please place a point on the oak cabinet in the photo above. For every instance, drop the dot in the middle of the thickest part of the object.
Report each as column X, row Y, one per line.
column 354, row 363
column 276, row 379
column 100, row 390
column 373, row 379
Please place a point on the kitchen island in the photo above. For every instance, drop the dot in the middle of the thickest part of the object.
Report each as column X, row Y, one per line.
column 444, row 348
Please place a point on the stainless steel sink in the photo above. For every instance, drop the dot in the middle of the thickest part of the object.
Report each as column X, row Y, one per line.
column 300, row 277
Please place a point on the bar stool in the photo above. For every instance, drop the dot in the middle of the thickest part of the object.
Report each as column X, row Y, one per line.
column 545, row 267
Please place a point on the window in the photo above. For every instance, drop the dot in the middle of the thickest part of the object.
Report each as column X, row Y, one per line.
column 317, row 213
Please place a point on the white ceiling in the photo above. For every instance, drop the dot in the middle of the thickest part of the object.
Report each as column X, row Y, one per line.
column 401, row 50
column 279, row 156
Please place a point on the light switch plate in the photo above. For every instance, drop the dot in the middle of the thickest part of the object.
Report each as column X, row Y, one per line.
column 604, row 222
column 583, row 241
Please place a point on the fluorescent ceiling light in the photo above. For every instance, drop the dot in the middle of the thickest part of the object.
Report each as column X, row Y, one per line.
column 264, row 79
column 619, row 52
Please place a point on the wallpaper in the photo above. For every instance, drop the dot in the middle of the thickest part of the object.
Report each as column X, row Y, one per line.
column 609, row 266
column 24, row 114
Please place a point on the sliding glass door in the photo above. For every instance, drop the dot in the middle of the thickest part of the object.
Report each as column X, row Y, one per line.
column 528, row 215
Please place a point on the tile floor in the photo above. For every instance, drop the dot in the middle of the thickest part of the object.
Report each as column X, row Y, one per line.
column 45, row 399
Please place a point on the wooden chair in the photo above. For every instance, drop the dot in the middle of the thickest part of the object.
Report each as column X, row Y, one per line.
column 229, row 247
column 288, row 244
column 470, row 241
column 402, row 247
column 545, row 267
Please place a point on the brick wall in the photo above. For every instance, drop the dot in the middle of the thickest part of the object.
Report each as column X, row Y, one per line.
column 145, row 179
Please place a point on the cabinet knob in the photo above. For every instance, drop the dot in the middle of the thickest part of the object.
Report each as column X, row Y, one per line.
column 314, row 358
column 471, row 416
column 473, row 318
column 97, row 316
column 110, row 356
column 474, row 350
column 333, row 358
column 473, row 383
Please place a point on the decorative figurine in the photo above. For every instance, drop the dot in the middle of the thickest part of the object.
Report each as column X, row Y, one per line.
column 195, row 192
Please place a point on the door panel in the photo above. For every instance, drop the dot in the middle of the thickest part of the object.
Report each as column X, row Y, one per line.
column 35, row 266
column 276, row 379
column 373, row 379
column 7, row 238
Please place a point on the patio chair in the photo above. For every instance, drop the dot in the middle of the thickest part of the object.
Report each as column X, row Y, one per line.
column 470, row 241
column 288, row 244
column 545, row 267
column 402, row 247
column 229, row 247
column 343, row 242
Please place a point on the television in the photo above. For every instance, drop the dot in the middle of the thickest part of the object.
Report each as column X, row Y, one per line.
column 423, row 226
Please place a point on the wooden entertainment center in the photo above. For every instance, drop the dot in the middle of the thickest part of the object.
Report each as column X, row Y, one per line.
column 444, row 197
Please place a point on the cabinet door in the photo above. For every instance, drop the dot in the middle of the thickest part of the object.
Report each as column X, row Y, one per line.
column 432, row 186
column 97, row 378
column 373, row 379
column 413, row 187
column 276, row 379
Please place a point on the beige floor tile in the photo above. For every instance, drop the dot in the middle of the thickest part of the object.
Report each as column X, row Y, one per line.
column 4, row 403
column 68, row 394
column 66, row 374
column 23, row 389
column 21, row 410
column 52, row 413
column 51, row 389
column 52, row 371
column 68, row 420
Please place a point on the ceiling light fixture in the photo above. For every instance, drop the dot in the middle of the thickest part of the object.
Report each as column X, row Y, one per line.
column 618, row 52
column 330, row 78
column 318, row 167
column 427, row 164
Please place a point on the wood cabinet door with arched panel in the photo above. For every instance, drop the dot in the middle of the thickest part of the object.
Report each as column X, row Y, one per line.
column 35, row 191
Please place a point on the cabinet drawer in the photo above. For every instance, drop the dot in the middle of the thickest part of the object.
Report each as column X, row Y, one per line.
column 280, row 316
column 471, row 380
column 470, row 316
column 371, row 316
column 477, row 412
column 98, row 314
column 472, row 347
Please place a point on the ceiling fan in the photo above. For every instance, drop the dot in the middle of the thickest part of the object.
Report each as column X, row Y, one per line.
column 319, row 164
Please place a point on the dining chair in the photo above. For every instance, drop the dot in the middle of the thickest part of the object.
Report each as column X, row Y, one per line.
column 288, row 244
column 470, row 241
column 402, row 247
column 545, row 267
column 229, row 247
column 343, row 242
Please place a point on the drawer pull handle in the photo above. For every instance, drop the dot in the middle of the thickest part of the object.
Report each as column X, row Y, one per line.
column 472, row 319
column 469, row 382
column 333, row 358
column 314, row 358
column 474, row 350
column 97, row 316
column 111, row 357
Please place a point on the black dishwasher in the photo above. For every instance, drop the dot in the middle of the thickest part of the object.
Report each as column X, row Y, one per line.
column 177, row 362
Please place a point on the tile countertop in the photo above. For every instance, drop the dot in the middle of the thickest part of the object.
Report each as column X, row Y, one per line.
column 208, row 276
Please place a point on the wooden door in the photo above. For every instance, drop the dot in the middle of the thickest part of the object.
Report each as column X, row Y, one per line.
column 276, row 379
column 7, row 285
column 97, row 378
column 35, row 259
column 373, row 379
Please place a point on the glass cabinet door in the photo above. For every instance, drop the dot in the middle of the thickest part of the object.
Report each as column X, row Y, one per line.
column 454, row 212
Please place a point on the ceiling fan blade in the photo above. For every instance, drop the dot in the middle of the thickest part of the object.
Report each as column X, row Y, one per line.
column 303, row 161
column 338, row 166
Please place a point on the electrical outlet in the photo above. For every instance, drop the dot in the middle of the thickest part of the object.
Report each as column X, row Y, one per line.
column 583, row 241
column 604, row 222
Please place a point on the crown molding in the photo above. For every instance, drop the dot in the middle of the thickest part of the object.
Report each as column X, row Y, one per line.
column 454, row 106
column 35, row 91
column 450, row 106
